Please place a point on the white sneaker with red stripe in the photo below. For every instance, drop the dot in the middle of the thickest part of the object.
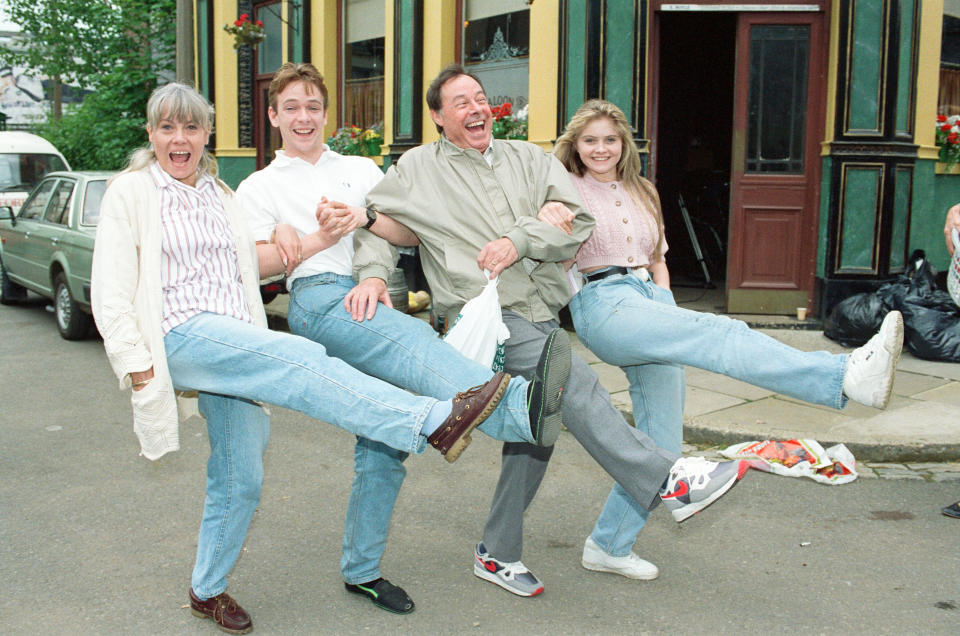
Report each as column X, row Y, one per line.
column 695, row 483
column 513, row 577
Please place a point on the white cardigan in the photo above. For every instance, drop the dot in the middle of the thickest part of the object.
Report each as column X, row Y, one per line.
column 125, row 291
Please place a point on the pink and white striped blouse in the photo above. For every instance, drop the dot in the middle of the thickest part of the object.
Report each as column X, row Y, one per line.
column 199, row 267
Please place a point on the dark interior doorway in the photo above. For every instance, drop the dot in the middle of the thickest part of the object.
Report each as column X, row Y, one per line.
column 693, row 142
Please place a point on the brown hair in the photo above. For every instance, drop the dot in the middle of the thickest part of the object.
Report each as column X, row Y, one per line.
column 643, row 193
column 449, row 72
column 289, row 73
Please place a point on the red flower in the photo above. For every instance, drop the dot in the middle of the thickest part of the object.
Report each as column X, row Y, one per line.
column 237, row 23
column 941, row 118
column 506, row 108
column 244, row 16
column 259, row 24
column 953, row 138
column 946, row 127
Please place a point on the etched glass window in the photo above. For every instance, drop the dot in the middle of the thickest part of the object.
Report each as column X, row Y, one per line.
column 496, row 46
column 776, row 125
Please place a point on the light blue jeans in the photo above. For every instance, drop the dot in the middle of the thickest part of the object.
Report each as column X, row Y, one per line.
column 406, row 352
column 636, row 325
column 221, row 357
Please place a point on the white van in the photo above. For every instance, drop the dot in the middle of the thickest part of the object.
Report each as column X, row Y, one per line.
column 24, row 160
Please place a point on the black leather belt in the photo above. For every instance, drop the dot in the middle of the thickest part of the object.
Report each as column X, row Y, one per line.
column 593, row 277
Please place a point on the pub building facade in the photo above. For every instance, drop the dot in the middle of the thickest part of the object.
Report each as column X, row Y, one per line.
column 792, row 143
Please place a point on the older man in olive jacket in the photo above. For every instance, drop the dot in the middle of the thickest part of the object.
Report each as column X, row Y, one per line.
column 473, row 203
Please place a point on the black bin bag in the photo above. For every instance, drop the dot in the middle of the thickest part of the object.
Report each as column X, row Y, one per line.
column 855, row 319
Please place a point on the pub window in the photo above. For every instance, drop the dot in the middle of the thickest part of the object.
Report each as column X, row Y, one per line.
column 364, row 29
column 496, row 48
column 948, row 102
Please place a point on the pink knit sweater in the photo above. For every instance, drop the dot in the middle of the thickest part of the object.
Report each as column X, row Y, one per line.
column 624, row 235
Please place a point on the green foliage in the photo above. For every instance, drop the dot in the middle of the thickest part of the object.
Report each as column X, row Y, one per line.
column 132, row 46
column 352, row 140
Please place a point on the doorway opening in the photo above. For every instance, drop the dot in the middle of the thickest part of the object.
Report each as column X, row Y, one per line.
column 693, row 141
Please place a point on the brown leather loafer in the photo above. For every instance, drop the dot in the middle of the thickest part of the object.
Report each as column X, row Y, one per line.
column 224, row 611
column 470, row 408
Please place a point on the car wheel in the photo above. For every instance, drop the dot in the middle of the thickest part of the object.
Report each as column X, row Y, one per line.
column 10, row 292
column 72, row 322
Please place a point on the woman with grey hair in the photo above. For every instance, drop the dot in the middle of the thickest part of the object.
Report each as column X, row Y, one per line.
column 175, row 294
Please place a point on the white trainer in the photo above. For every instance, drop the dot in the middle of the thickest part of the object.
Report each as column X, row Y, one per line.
column 870, row 368
column 630, row 566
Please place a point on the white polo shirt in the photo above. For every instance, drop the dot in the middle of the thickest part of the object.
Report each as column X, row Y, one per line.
column 288, row 191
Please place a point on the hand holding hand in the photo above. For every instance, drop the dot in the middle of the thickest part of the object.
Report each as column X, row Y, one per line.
column 338, row 219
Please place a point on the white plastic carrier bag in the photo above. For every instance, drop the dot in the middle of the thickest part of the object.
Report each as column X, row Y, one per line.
column 479, row 332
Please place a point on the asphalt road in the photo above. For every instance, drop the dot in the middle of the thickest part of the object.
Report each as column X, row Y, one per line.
column 96, row 540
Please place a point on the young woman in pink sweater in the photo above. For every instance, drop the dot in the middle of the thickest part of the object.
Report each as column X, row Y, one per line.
column 626, row 314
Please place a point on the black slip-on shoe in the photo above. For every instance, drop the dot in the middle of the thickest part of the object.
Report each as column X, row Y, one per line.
column 546, row 391
column 384, row 595
column 952, row 510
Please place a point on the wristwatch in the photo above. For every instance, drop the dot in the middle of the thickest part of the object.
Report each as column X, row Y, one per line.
column 371, row 217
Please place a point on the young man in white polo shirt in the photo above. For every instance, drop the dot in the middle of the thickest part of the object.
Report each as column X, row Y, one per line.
column 282, row 203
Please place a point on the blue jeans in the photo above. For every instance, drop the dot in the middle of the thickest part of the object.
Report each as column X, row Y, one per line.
column 238, row 431
column 220, row 357
column 406, row 352
column 635, row 324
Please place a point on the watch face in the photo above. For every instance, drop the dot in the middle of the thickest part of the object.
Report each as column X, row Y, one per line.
column 371, row 217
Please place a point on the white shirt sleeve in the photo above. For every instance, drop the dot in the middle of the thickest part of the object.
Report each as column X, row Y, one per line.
column 258, row 209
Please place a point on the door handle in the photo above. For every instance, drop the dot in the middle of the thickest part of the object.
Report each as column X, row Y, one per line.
column 54, row 241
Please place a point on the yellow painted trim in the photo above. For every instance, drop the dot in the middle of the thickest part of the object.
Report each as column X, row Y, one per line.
column 388, row 86
column 196, row 47
column 544, row 73
column 833, row 60
column 225, row 78
column 928, row 77
column 236, row 152
column 439, row 48
column 323, row 54
column 941, row 168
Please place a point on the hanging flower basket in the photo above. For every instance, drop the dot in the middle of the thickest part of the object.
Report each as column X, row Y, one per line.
column 245, row 32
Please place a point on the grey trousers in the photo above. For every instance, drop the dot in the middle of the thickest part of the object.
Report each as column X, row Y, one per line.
column 628, row 455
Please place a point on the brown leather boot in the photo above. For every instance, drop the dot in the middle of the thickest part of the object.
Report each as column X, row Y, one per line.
column 470, row 408
column 224, row 611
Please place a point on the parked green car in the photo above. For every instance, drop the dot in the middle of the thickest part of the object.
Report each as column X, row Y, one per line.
column 47, row 247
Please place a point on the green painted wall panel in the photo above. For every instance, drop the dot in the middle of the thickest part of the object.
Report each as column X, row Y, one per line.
column 297, row 31
column 901, row 215
column 619, row 71
column 233, row 170
column 826, row 165
column 861, row 191
column 576, row 57
column 203, row 47
column 942, row 191
column 403, row 123
column 864, row 105
column 904, row 79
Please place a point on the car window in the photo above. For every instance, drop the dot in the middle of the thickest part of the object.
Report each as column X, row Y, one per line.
column 20, row 172
column 33, row 208
column 91, row 202
column 59, row 209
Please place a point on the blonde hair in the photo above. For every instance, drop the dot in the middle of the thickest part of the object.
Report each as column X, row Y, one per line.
column 181, row 103
column 643, row 193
